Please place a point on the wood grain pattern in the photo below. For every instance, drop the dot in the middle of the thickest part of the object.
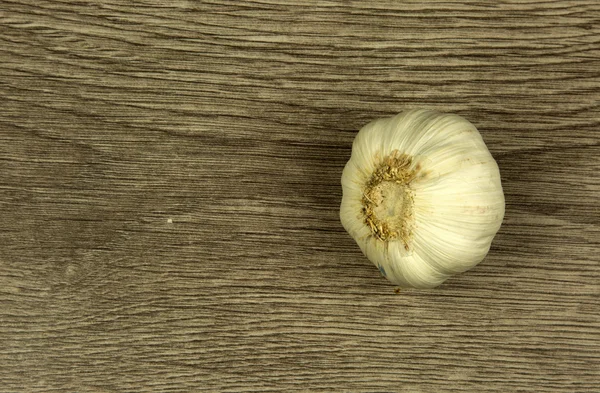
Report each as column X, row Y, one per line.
column 170, row 184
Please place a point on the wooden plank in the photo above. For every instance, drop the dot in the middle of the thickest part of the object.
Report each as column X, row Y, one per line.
column 170, row 184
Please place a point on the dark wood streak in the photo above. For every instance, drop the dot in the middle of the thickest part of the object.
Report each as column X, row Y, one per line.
column 170, row 184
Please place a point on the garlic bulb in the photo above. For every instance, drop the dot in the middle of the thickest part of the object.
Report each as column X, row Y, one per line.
column 422, row 196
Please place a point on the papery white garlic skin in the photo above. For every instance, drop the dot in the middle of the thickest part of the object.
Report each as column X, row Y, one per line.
column 421, row 196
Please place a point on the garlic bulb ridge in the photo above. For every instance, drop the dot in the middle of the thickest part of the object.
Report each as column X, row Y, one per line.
column 421, row 196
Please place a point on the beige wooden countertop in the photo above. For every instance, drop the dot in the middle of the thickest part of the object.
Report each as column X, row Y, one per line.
column 170, row 185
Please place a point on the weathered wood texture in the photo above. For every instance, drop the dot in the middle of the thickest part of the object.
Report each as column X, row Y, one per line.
column 170, row 183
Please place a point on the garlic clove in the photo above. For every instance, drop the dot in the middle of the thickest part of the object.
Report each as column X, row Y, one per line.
column 422, row 196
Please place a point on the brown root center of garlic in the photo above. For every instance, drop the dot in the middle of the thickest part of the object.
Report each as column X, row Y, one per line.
column 388, row 199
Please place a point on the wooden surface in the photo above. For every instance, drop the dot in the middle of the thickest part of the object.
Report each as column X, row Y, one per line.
column 170, row 185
